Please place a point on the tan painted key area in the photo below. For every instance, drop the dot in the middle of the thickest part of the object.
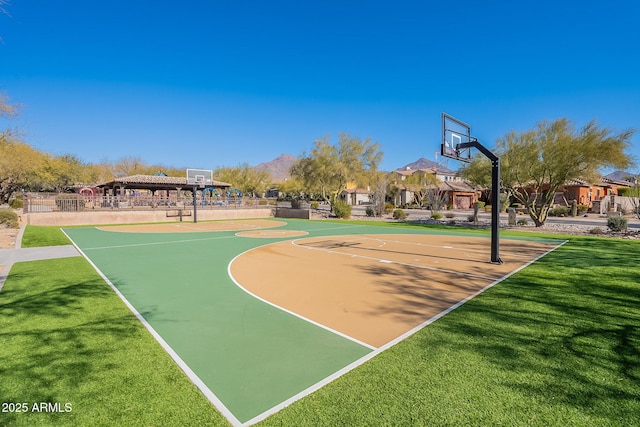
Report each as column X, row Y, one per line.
column 375, row 288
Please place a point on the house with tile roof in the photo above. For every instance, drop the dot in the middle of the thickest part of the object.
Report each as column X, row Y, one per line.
column 454, row 190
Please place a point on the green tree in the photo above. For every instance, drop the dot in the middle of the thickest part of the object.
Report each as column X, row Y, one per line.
column 293, row 188
column 421, row 184
column 19, row 163
column 127, row 166
column 328, row 169
column 380, row 189
column 20, row 166
column 537, row 162
column 634, row 194
column 245, row 178
column 97, row 173
column 61, row 172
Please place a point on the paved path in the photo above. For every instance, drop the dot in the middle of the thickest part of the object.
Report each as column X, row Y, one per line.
column 10, row 256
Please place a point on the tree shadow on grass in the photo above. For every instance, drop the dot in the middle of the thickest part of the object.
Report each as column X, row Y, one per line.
column 60, row 334
column 66, row 337
column 567, row 330
column 92, row 365
column 58, row 299
column 562, row 334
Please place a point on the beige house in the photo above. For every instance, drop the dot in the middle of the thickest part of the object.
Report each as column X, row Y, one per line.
column 452, row 188
column 455, row 192
column 459, row 194
column 441, row 174
column 356, row 196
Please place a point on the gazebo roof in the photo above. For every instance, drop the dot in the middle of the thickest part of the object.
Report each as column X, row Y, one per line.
column 156, row 182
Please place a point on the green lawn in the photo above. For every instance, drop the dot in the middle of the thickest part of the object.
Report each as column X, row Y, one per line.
column 66, row 337
column 35, row 236
column 556, row 344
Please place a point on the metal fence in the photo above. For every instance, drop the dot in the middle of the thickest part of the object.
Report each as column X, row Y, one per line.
column 67, row 202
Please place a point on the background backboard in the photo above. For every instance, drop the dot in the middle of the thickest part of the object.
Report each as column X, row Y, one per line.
column 454, row 133
column 200, row 177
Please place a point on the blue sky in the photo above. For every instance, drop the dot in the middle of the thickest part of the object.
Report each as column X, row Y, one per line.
column 205, row 84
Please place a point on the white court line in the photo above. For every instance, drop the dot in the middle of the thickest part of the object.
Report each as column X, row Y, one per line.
column 388, row 345
column 270, row 232
column 427, row 245
column 178, row 241
column 133, row 245
column 193, row 377
column 425, row 267
column 233, row 226
column 216, row 401
column 190, row 227
column 293, row 313
column 341, row 227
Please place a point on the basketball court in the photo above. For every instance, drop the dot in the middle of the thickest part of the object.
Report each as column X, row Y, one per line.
column 259, row 313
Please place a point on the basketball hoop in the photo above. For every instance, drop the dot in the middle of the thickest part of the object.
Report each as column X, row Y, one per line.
column 455, row 133
column 456, row 144
column 199, row 177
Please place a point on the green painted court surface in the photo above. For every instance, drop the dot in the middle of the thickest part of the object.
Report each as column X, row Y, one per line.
column 250, row 355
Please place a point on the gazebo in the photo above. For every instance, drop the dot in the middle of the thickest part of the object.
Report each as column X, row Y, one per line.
column 124, row 188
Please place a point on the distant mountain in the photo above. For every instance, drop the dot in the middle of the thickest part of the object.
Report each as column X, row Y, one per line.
column 279, row 167
column 422, row 163
column 621, row 176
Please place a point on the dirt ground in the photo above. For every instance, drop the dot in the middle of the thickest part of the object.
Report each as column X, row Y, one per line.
column 9, row 235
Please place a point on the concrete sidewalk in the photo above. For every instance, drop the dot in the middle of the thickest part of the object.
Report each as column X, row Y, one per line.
column 10, row 256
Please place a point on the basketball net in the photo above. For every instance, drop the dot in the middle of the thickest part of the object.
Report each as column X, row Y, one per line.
column 442, row 160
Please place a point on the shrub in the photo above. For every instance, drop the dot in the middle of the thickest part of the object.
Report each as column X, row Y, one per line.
column 399, row 214
column 450, row 215
column 8, row 218
column 436, row 215
column 522, row 221
column 388, row 208
column 295, row 203
column 596, row 230
column 315, row 204
column 471, row 218
column 504, row 202
column 582, row 208
column 617, row 223
column 369, row 211
column 487, row 208
column 342, row 210
column 480, row 204
column 16, row 203
column 559, row 211
column 626, row 192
